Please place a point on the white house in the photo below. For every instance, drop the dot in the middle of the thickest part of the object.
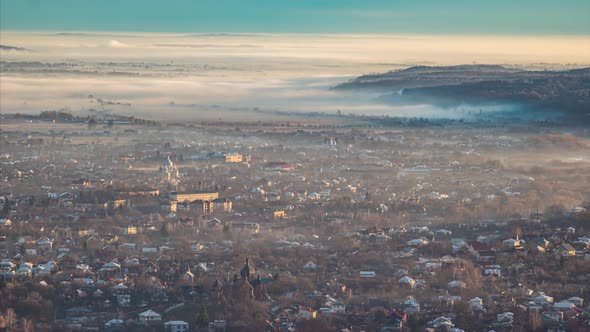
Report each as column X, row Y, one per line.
column 176, row 326
column 25, row 269
column 113, row 323
column 149, row 316
column 456, row 284
column 338, row 307
column 407, row 281
column 411, row 306
column 577, row 301
column 441, row 322
column 563, row 305
column 476, row 301
column 543, row 299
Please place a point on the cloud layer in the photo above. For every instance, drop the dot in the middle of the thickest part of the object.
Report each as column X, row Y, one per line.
column 190, row 75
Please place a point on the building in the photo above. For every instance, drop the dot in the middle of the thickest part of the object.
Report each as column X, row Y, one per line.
column 253, row 228
column 278, row 214
column 129, row 230
column 511, row 244
column 566, row 250
column 307, row 312
column 278, row 166
column 117, row 203
column 222, row 204
column 367, row 274
column 149, row 316
column 203, row 207
column 233, row 158
column 203, row 195
column 310, row 265
column 5, row 223
column 169, row 206
column 176, row 326
column 170, row 170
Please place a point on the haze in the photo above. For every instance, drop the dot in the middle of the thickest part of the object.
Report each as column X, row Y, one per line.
column 191, row 75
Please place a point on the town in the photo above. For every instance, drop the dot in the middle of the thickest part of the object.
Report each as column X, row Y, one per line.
column 116, row 223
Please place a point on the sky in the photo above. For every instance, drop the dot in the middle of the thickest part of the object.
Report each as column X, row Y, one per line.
column 505, row 17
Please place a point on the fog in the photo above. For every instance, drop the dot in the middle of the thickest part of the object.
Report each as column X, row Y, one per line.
column 194, row 76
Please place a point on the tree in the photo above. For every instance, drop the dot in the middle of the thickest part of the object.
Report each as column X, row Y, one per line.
column 6, row 208
column 203, row 316
column 464, row 319
column 536, row 320
column 10, row 319
column 318, row 324
column 164, row 229
column 554, row 212
column 28, row 325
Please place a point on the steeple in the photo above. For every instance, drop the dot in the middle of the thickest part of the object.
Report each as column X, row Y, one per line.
column 247, row 270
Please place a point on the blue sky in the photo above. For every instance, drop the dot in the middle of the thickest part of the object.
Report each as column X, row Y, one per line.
column 301, row 16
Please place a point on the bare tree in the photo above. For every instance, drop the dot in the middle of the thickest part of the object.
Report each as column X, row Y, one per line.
column 28, row 325
column 535, row 320
column 10, row 319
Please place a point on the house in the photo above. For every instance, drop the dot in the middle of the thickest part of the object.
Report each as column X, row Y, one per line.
column 6, row 274
column 552, row 317
column 476, row 305
column 578, row 302
column 543, row 299
column 504, row 320
column 456, row 284
column 563, row 305
column 411, row 306
column 45, row 243
column 114, row 324
column 25, row 270
column 512, row 243
column 93, row 242
column 492, row 270
column 307, row 312
column 5, row 222
column 334, row 305
column 441, row 323
column 176, row 326
column 566, row 250
column 406, row 282
column 476, row 301
column 286, row 314
column 218, row 325
column 77, row 312
column 149, row 316
column 310, row 265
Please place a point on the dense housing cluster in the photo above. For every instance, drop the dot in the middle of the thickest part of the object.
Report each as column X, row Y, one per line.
column 113, row 224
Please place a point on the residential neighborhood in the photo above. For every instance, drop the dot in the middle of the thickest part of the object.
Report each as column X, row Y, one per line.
column 144, row 226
